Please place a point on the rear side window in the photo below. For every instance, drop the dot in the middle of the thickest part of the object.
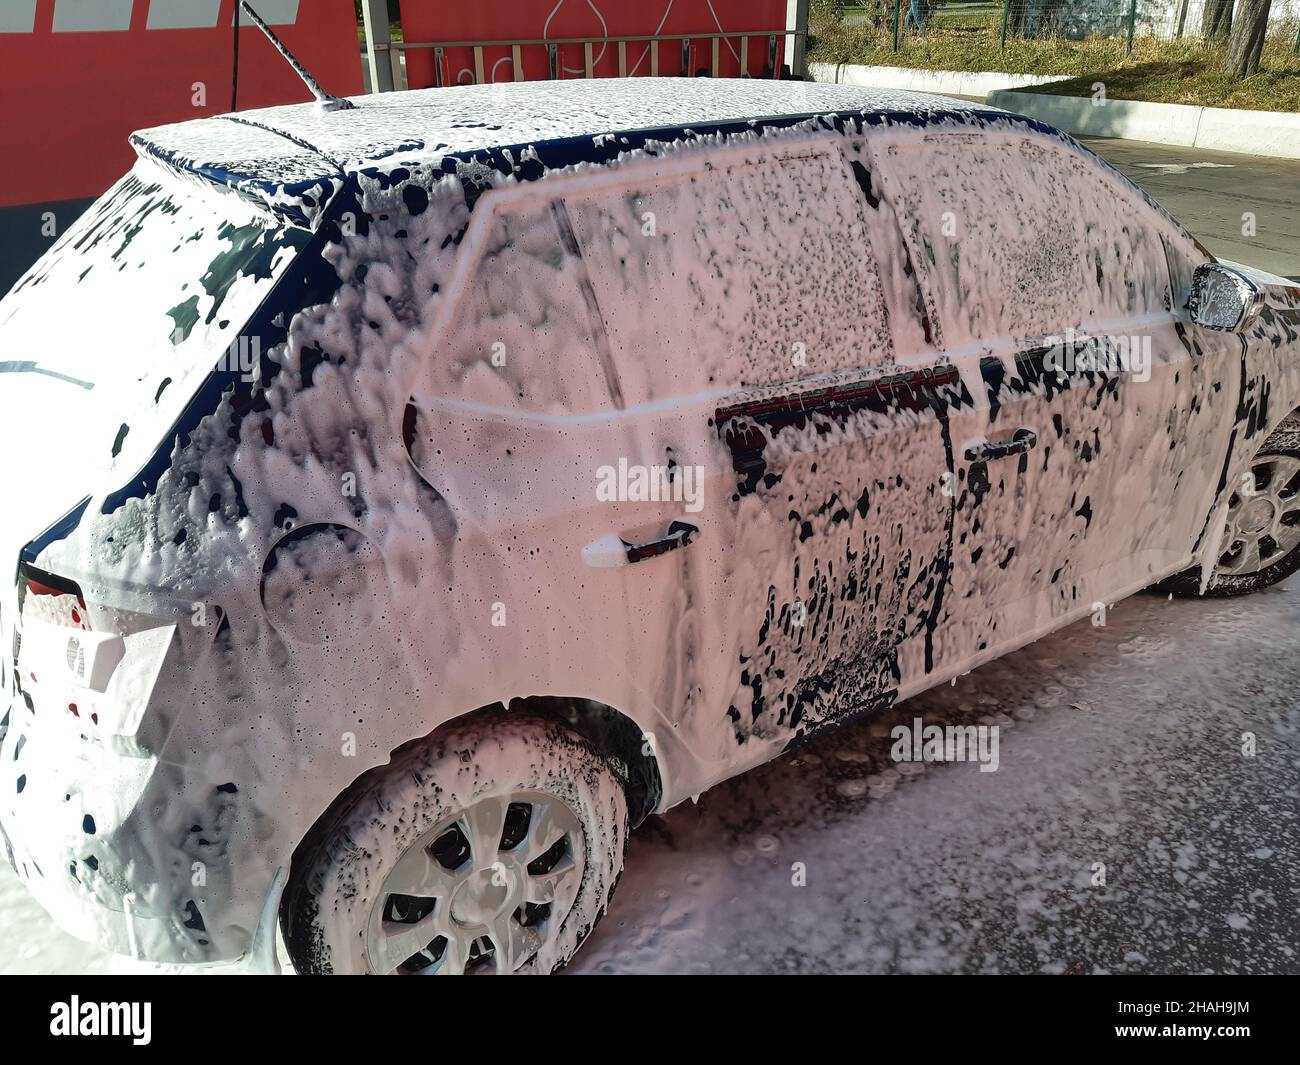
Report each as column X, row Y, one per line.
column 752, row 270
column 1020, row 238
column 524, row 331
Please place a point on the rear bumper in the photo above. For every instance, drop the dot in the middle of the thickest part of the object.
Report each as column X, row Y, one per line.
column 119, row 850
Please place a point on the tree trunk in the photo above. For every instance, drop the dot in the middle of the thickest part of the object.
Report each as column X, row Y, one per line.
column 1247, row 41
column 1216, row 19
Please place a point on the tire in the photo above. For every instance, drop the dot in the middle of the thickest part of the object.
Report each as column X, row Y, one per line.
column 423, row 823
column 1283, row 446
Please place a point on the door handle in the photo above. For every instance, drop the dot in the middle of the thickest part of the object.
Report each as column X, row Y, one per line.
column 613, row 550
column 1022, row 442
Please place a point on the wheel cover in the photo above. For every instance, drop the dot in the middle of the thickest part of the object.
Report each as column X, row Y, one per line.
column 1263, row 523
column 481, row 892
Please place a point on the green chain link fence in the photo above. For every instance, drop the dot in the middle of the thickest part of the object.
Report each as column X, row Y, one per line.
column 1117, row 26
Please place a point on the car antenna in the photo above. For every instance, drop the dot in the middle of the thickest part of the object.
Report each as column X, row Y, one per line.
column 324, row 101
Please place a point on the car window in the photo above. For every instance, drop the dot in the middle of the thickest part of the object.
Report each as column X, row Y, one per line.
column 137, row 303
column 524, row 332
column 752, row 270
column 1021, row 238
column 1183, row 255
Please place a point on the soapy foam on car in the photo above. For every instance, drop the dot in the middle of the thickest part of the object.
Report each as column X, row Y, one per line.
column 702, row 650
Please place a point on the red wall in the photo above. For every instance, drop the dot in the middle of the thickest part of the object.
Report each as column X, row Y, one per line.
column 70, row 100
column 494, row 20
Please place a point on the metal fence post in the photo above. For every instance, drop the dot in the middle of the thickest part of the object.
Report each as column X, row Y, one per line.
column 796, row 18
column 897, row 5
column 378, row 33
column 1132, row 18
column 1006, row 15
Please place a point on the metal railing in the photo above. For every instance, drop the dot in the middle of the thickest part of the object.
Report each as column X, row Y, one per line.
column 767, row 42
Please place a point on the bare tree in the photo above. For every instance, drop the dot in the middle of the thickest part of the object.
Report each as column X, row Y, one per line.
column 1216, row 19
column 1247, row 41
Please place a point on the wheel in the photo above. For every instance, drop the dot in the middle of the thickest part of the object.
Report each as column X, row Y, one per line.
column 494, row 848
column 1261, row 544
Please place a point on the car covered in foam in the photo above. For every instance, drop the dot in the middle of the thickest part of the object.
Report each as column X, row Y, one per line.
column 404, row 501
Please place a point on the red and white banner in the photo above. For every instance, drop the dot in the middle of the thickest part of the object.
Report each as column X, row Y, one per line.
column 77, row 77
column 517, row 20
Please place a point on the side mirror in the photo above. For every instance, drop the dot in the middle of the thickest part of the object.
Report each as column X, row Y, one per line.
column 1223, row 298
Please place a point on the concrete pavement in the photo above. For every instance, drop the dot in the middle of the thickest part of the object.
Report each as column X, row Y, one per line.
column 1213, row 193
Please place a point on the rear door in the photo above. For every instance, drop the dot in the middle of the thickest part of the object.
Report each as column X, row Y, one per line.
column 778, row 279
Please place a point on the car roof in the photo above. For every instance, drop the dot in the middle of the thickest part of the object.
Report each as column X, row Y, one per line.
column 290, row 156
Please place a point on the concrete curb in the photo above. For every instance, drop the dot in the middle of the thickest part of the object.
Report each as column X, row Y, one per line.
column 1222, row 129
column 950, row 82
column 1271, row 133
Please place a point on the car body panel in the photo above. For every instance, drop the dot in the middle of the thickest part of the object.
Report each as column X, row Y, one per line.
column 380, row 524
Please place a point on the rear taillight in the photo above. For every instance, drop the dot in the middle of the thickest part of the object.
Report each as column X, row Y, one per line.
column 49, row 598
column 61, row 660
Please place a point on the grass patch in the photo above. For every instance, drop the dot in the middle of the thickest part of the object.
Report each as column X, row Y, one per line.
column 1194, row 81
column 1176, row 71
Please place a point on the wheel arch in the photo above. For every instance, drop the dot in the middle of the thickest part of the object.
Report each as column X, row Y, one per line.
column 626, row 746
column 623, row 743
column 1289, row 424
column 613, row 736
